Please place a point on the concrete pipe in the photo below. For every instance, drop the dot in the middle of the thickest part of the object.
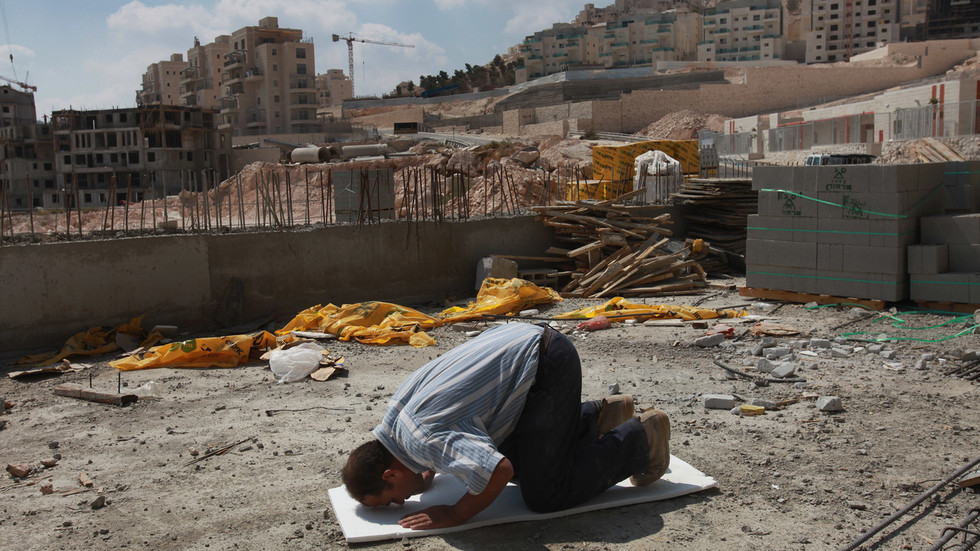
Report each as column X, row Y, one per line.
column 367, row 150
column 310, row 154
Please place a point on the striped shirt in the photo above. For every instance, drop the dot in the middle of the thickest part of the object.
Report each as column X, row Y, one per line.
column 451, row 414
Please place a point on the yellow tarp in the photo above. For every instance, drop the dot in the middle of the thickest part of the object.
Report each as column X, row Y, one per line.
column 229, row 351
column 501, row 296
column 614, row 164
column 366, row 322
column 617, row 309
column 95, row 340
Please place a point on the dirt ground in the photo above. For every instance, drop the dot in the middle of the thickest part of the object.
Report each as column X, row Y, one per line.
column 795, row 478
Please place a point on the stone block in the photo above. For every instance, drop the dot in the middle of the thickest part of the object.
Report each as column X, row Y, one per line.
column 491, row 266
column 928, row 259
column 784, row 370
column 718, row 401
column 708, row 341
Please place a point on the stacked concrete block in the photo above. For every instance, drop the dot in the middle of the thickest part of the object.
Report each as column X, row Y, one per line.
column 945, row 267
column 839, row 230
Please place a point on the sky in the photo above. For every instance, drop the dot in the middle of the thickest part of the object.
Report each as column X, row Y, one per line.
column 91, row 54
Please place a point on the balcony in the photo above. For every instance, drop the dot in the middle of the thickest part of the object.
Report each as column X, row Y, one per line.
column 229, row 103
column 300, row 83
column 234, row 58
column 255, row 118
column 188, row 73
column 235, row 89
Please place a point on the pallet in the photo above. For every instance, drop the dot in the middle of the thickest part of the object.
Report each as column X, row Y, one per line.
column 957, row 307
column 792, row 296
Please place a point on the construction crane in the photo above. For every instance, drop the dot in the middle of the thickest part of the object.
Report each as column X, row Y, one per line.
column 350, row 39
column 23, row 85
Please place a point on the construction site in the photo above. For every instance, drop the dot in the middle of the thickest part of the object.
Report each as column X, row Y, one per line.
column 808, row 325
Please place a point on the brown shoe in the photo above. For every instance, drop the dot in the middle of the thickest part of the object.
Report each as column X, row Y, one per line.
column 657, row 427
column 616, row 409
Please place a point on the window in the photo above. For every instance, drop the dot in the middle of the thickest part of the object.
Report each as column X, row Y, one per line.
column 151, row 156
column 300, row 68
column 275, row 99
column 275, row 67
column 301, row 53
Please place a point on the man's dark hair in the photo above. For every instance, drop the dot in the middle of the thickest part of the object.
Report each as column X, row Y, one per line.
column 362, row 475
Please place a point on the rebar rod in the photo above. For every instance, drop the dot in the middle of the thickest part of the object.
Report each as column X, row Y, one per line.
column 950, row 532
column 901, row 512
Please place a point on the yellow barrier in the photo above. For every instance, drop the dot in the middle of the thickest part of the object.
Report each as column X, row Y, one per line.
column 615, row 163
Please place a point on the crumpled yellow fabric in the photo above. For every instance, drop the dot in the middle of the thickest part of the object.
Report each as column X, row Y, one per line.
column 367, row 322
column 93, row 341
column 500, row 296
column 618, row 309
column 228, row 351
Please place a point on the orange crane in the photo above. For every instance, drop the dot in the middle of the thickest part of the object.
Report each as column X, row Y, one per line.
column 23, row 85
column 350, row 39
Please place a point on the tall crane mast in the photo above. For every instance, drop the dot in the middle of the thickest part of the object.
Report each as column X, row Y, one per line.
column 350, row 39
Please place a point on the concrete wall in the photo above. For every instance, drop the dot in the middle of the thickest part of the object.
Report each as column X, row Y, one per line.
column 388, row 120
column 240, row 158
column 49, row 292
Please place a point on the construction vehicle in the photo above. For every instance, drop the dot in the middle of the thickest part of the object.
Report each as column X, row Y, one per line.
column 350, row 39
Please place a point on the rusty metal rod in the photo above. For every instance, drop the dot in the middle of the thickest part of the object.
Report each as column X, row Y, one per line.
column 904, row 510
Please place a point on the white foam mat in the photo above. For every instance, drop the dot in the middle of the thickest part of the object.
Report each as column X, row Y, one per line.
column 362, row 524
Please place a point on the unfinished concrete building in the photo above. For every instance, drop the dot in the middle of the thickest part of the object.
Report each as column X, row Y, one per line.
column 839, row 29
column 333, row 87
column 26, row 158
column 742, row 30
column 116, row 155
column 269, row 81
column 161, row 82
column 201, row 79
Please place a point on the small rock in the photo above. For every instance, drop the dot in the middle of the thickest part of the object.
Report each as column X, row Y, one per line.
column 53, row 444
column 928, row 356
column 829, row 404
column 48, row 463
column 472, row 333
column 810, row 305
column 614, row 389
column 840, row 352
column 99, row 502
column 708, row 341
column 888, row 354
column 47, row 489
column 783, row 370
column 718, row 401
column 737, row 410
column 922, row 364
column 875, row 348
column 530, row 312
column 777, row 352
column 801, row 385
column 19, row 470
column 969, row 355
column 857, row 505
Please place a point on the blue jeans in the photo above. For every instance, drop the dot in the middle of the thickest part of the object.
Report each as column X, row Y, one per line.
column 558, row 457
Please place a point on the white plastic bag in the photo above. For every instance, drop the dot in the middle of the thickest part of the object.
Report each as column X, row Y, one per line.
column 296, row 363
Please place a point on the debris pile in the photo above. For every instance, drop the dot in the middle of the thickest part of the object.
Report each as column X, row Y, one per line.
column 683, row 125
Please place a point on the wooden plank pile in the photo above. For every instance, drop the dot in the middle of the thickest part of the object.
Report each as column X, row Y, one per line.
column 717, row 210
column 620, row 250
column 931, row 150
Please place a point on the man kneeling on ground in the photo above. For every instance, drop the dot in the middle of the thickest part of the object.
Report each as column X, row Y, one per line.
column 505, row 405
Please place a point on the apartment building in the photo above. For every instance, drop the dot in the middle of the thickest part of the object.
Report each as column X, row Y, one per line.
column 557, row 49
column 333, row 87
column 839, row 29
column 129, row 154
column 269, row 81
column 630, row 42
column 201, row 79
column 743, row 30
column 27, row 177
column 952, row 19
column 161, row 82
column 619, row 9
